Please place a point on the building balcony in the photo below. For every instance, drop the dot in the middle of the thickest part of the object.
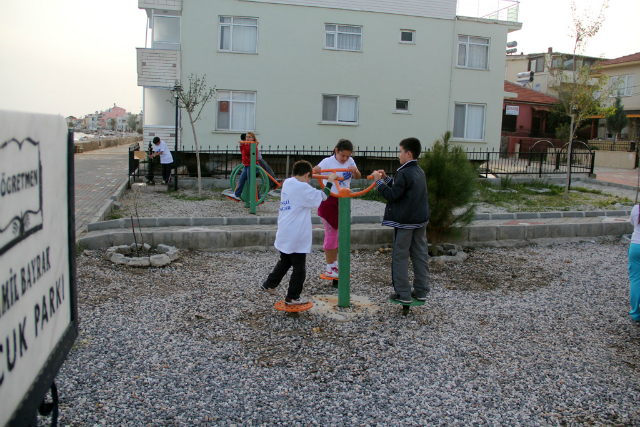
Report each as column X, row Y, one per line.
column 158, row 67
column 160, row 4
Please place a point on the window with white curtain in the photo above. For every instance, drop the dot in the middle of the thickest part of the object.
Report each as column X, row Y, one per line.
column 166, row 32
column 239, row 35
column 339, row 109
column 343, row 37
column 473, row 52
column 236, row 110
column 622, row 85
column 468, row 121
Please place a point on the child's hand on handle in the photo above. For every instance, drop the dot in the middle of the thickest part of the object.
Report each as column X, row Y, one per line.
column 317, row 169
column 353, row 169
column 376, row 175
column 382, row 174
column 332, row 177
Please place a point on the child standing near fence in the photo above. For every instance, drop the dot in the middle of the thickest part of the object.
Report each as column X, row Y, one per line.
column 245, row 149
column 328, row 210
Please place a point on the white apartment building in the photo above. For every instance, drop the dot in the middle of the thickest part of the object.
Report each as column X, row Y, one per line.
column 306, row 73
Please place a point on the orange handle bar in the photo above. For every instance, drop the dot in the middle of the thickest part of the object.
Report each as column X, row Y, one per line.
column 320, row 178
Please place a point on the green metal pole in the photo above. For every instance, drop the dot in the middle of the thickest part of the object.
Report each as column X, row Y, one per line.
column 344, row 252
column 252, row 176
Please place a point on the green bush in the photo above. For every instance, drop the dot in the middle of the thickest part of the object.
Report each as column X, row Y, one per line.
column 451, row 183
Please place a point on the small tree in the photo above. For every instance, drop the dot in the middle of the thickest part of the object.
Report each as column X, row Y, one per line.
column 451, row 183
column 617, row 120
column 112, row 124
column 192, row 100
column 132, row 122
column 584, row 91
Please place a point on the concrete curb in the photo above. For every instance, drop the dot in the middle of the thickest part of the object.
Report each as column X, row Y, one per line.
column 107, row 208
column 97, row 225
column 363, row 236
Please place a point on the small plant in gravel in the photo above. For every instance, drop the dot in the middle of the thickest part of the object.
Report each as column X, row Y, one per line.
column 451, row 183
column 181, row 196
column 113, row 215
column 506, row 182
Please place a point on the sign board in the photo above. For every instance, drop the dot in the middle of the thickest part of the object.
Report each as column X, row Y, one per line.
column 512, row 110
column 38, row 300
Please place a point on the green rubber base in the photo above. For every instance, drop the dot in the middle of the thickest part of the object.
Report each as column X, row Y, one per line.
column 414, row 303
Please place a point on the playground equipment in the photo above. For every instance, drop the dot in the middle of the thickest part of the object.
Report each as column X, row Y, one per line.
column 293, row 310
column 407, row 307
column 249, row 193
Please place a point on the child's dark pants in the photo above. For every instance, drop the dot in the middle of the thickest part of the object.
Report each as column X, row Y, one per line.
column 299, row 273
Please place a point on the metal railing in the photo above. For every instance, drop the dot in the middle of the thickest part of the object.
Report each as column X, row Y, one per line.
column 542, row 158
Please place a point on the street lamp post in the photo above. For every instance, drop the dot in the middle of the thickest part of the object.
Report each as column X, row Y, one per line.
column 176, row 93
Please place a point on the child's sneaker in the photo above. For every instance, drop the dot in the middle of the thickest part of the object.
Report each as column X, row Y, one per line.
column 298, row 301
column 397, row 298
column 272, row 291
column 232, row 196
column 333, row 273
column 414, row 295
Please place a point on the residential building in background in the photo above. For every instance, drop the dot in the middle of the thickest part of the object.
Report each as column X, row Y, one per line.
column 541, row 65
column 623, row 72
column 306, row 73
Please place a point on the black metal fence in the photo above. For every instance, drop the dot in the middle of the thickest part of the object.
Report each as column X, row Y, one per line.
column 610, row 146
column 219, row 163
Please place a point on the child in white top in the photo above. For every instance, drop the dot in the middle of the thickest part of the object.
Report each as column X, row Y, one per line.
column 328, row 211
column 294, row 238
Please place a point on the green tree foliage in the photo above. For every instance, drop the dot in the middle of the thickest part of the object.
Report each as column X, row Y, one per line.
column 451, row 182
column 617, row 120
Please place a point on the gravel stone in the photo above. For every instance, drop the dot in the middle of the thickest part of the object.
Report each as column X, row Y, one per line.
column 530, row 336
column 159, row 260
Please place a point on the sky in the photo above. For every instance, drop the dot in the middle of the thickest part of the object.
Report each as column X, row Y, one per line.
column 75, row 57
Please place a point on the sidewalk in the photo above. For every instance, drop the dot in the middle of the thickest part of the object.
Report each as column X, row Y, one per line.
column 617, row 176
column 97, row 176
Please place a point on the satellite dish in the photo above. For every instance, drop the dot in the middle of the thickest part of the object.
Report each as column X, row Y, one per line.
column 537, row 87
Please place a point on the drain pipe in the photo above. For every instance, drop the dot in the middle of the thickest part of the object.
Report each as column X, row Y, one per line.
column 453, row 66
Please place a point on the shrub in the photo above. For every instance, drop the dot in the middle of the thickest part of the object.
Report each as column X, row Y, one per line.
column 451, row 183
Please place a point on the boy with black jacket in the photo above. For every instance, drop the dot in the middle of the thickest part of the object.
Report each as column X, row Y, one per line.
column 407, row 211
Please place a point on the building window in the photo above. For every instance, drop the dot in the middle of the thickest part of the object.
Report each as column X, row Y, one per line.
column 402, row 105
column 407, row 36
column 339, row 109
column 536, row 64
column 622, row 85
column 473, row 52
column 343, row 37
column 468, row 121
column 238, row 35
column 166, row 32
column 236, row 110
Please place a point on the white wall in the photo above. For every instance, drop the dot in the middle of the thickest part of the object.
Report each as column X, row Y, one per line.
column 291, row 71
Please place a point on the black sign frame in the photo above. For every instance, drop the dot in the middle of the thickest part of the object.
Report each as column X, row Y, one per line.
column 25, row 413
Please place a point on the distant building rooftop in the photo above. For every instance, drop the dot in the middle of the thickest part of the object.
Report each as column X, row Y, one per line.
column 528, row 95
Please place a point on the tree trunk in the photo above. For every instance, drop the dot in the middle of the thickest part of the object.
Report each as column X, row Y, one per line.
column 195, row 138
column 566, row 188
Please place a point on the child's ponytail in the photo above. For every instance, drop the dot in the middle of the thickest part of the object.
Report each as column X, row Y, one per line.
column 344, row 144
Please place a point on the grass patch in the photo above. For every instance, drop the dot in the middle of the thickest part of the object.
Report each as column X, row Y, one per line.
column 113, row 215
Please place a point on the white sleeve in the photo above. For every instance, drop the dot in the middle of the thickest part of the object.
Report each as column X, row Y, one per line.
column 633, row 219
column 312, row 197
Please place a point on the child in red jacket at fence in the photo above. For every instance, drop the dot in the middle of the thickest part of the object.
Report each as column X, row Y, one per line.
column 245, row 149
column 294, row 237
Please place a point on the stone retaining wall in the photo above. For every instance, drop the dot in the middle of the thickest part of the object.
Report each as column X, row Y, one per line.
column 95, row 144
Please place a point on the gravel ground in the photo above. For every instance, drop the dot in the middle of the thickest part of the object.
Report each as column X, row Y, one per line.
column 527, row 336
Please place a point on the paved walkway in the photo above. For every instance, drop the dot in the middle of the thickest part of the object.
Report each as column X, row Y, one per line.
column 97, row 175
column 617, row 176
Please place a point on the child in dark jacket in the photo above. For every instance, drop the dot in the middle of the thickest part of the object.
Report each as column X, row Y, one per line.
column 407, row 211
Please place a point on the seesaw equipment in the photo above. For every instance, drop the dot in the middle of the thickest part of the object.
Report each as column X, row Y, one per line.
column 249, row 193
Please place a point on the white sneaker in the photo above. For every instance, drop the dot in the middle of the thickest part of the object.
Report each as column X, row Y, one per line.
column 333, row 273
column 299, row 301
column 232, row 196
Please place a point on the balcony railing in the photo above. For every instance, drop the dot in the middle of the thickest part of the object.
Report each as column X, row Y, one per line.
column 158, row 67
column 160, row 4
column 501, row 10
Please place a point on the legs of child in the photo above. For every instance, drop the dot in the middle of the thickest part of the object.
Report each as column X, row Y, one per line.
column 330, row 246
column 296, row 283
column 420, row 259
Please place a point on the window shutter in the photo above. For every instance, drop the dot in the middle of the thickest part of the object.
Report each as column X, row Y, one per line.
column 629, row 89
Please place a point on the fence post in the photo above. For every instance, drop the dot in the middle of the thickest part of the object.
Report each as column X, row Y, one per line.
column 486, row 172
column 593, row 163
column 286, row 172
column 540, row 171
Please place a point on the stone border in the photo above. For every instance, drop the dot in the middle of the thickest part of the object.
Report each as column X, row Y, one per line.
column 116, row 254
column 363, row 219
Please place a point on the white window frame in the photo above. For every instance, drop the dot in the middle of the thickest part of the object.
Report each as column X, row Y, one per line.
column 399, row 111
column 413, row 37
column 231, row 25
column 335, row 38
column 467, row 44
column 231, row 101
column 484, row 120
column 626, row 85
column 337, row 121
column 161, row 44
